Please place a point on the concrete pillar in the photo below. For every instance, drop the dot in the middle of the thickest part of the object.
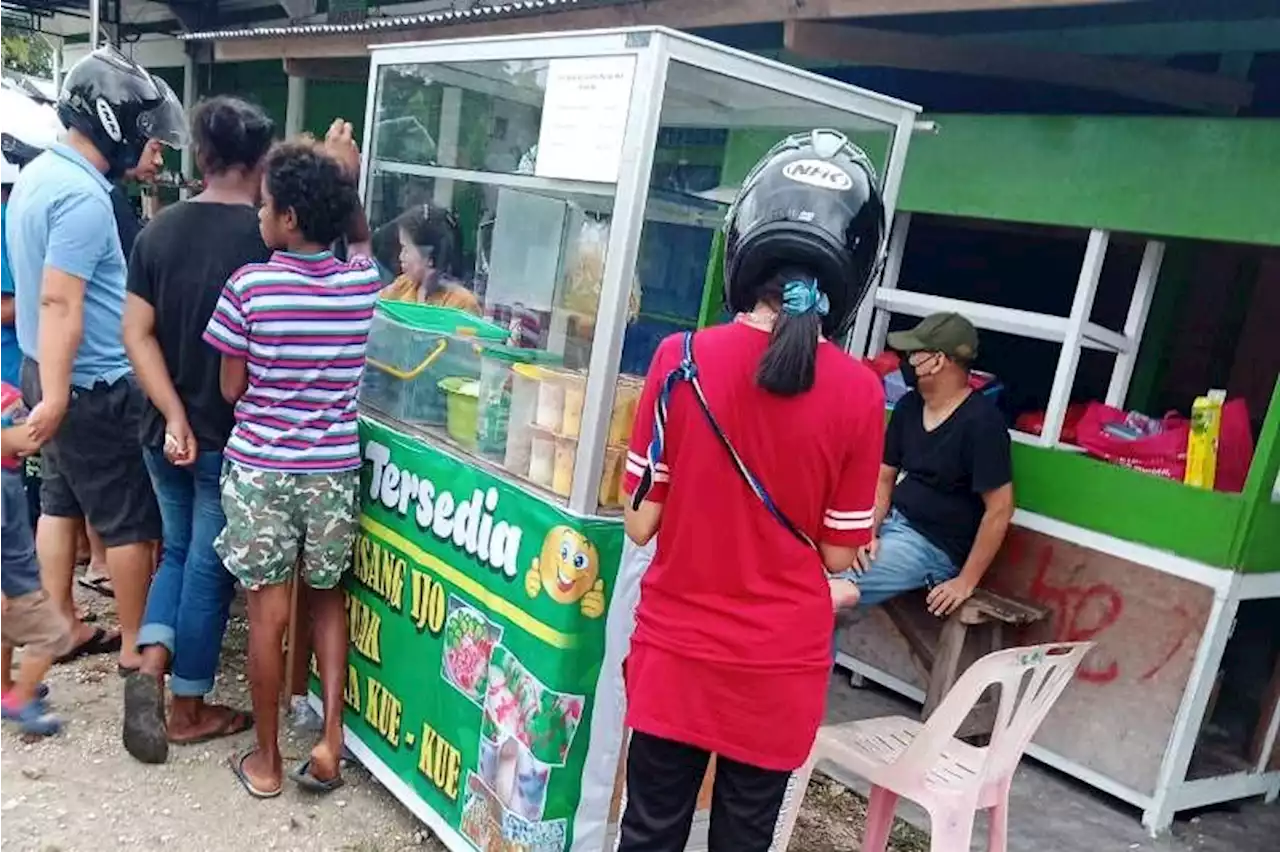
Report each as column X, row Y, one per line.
column 296, row 106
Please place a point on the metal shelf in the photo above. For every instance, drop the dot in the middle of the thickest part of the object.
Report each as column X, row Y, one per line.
column 995, row 318
column 1073, row 333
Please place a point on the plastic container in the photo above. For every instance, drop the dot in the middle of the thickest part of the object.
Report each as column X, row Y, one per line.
column 562, row 472
column 411, row 348
column 575, row 393
column 625, row 399
column 462, row 395
column 497, row 386
column 615, row 469
column 524, row 405
column 542, row 458
column 1202, row 439
column 550, row 413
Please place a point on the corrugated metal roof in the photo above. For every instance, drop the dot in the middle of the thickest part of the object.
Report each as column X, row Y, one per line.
column 479, row 12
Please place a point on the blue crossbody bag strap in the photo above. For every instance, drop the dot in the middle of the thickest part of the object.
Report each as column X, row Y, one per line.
column 687, row 371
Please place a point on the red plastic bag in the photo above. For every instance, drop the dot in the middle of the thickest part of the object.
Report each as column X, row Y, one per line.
column 1032, row 422
column 1165, row 454
column 1235, row 447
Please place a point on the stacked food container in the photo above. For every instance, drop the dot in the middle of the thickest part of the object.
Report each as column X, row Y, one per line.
column 519, row 408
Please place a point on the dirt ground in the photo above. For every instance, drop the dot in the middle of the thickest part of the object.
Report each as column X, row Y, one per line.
column 81, row 791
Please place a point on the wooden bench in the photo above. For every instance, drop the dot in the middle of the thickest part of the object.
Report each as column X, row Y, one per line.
column 942, row 656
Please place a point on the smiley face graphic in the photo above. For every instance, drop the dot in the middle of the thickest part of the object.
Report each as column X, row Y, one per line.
column 568, row 569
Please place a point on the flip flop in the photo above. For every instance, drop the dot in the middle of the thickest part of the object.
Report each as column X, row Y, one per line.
column 144, row 731
column 100, row 584
column 301, row 775
column 237, row 768
column 98, row 643
column 234, row 723
column 42, row 691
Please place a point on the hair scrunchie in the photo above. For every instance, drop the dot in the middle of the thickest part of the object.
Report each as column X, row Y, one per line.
column 803, row 296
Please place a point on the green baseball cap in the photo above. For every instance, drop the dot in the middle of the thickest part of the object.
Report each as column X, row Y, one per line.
column 948, row 333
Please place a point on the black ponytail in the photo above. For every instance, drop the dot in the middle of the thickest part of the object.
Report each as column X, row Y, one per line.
column 788, row 366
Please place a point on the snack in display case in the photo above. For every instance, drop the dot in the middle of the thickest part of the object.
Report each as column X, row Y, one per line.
column 412, row 347
column 544, row 425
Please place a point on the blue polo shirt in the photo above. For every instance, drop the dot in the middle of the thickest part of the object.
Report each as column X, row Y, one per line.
column 60, row 215
column 10, row 354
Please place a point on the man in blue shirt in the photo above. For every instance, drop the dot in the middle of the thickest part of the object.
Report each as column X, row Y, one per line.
column 69, row 282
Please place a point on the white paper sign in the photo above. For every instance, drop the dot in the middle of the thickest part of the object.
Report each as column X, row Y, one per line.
column 584, row 118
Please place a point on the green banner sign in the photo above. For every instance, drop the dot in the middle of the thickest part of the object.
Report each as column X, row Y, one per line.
column 477, row 620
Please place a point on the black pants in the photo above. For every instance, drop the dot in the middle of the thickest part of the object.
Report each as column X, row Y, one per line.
column 663, row 779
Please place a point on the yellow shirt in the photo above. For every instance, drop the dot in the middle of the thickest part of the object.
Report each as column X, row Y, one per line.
column 405, row 289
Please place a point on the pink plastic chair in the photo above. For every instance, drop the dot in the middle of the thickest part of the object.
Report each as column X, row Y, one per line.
column 924, row 762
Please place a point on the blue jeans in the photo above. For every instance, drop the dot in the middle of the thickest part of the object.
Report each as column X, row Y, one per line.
column 905, row 561
column 191, row 592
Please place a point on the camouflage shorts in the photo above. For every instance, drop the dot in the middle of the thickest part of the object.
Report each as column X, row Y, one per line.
column 273, row 517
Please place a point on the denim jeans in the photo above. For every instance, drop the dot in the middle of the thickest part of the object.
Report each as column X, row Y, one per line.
column 191, row 592
column 905, row 561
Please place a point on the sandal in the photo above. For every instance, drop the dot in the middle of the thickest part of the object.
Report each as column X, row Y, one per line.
column 237, row 768
column 144, row 734
column 303, row 777
column 233, row 722
column 98, row 643
column 99, row 583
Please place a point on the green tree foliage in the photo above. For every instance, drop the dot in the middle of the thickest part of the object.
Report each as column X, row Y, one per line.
column 27, row 53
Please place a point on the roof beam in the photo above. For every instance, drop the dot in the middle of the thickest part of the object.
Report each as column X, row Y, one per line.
column 1161, row 39
column 679, row 14
column 868, row 47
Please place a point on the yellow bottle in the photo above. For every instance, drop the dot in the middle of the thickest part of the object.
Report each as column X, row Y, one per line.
column 1202, row 443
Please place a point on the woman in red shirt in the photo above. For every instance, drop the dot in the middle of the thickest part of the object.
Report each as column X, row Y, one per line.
column 754, row 461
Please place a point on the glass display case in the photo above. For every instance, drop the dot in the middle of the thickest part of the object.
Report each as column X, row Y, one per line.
column 572, row 184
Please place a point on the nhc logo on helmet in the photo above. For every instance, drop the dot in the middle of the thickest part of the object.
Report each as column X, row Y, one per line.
column 108, row 118
column 818, row 173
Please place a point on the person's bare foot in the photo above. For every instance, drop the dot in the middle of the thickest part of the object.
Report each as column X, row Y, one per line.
column 204, row 722
column 130, row 660
column 844, row 594
column 266, row 775
column 325, row 763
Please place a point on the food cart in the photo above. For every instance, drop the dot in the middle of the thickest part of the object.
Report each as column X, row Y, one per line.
column 492, row 598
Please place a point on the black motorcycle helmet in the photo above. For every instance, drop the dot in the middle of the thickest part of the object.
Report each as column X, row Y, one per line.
column 120, row 106
column 812, row 202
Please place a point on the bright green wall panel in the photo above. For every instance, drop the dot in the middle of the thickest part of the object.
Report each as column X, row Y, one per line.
column 330, row 99
column 263, row 83
column 1127, row 504
column 1205, row 178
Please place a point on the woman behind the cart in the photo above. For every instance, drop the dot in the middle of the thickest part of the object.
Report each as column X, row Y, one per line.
column 753, row 462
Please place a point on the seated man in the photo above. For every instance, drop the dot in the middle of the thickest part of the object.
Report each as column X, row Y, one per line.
column 945, row 496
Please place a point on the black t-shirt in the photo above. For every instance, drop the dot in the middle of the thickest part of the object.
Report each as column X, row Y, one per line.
column 179, row 264
column 944, row 473
column 128, row 225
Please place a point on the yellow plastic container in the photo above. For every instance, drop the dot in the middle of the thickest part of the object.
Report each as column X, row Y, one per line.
column 625, row 398
column 1202, row 442
column 562, row 473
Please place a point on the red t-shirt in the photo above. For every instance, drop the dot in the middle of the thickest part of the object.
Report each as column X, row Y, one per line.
column 732, row 650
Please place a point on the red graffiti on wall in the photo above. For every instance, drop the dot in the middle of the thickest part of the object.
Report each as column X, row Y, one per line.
column 1082, row 612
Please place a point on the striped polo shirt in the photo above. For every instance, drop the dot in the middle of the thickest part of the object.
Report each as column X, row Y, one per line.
column 302, row 323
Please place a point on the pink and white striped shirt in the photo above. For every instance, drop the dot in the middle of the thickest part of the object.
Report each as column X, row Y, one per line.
column 302, row 323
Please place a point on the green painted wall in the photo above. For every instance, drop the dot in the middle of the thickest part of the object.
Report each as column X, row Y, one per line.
column 1127, row 504
column 1203, row 178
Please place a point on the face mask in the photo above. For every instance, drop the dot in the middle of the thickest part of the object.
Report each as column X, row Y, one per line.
column 909, row 375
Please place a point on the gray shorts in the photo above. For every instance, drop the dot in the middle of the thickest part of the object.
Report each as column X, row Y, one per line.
column 92, row 468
